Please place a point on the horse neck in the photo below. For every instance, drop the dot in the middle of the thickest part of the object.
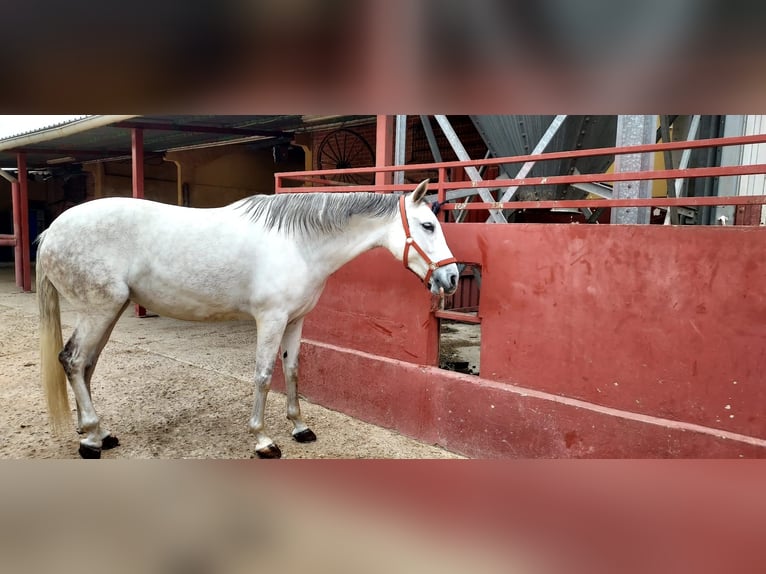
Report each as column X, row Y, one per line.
column 331, row 252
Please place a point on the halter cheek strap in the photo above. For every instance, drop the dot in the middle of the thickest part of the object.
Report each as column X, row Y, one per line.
column 410, row 242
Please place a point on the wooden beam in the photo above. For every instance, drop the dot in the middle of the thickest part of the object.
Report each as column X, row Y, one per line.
column 223, row 130
column 98, row 180
column 70, row 151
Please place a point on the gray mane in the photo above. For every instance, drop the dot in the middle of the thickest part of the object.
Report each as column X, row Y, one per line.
column 311, row 214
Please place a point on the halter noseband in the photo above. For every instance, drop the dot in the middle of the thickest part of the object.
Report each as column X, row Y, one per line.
column 410, row 242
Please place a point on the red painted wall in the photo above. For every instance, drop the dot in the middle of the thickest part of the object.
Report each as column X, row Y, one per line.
column 654, row 321
column 666, row 321
column 486, row 419
column 373, row 304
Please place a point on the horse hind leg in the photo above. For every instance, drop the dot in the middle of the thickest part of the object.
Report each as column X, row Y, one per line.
column 109, row 441
column 79, row 358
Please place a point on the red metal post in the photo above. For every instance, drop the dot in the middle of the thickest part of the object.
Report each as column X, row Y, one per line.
column 748, row 215
column 441, row 194
column 137, row 152
column 22, row 233
column 137, row 140
column 384, row 148
column 18, row 256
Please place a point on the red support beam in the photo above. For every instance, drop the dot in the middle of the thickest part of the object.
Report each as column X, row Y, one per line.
column 18, row 255
column 137, row 153
column 384, row 149
column 22, row 232
column 440, row 192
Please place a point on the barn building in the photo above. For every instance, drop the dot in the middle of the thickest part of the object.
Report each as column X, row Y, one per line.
column 610, row 300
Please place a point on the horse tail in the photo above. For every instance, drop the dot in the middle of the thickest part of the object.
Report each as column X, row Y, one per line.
column 51, row 343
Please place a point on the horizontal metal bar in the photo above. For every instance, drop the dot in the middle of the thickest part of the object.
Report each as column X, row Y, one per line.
column 600, row 190
column 383, row 188
column 455, row 316
column 644, row 148
column 628, row 202
column 721, row 171
column 7, row 241
column 457, row 194
column 646, row 175
column 324, row 181
column 473, row 173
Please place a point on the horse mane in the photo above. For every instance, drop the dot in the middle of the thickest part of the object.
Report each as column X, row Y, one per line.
column 309, row 214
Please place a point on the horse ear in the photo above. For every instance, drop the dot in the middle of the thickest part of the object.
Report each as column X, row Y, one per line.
column 420, row 192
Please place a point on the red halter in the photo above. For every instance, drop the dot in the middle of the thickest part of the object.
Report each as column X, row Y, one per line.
column 432, row 266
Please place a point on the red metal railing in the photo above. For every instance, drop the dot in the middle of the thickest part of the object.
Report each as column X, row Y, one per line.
column 319, row 180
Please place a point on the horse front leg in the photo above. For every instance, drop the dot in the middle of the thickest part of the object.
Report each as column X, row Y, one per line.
column 291, row 343
column 269, row 333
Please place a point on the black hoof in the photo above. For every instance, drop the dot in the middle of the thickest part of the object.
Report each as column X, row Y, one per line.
column 271, row 451
column 89, row 452
column 306, row 435
column 110, row 441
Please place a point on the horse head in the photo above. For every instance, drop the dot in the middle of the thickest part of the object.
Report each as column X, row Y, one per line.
column 420, row 244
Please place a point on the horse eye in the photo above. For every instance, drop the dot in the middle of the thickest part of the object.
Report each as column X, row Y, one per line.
column 428, row 226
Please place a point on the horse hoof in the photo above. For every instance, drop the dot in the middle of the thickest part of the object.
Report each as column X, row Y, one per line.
column 88, row 452
column 110, row 441
column 271, row 451
column 306, row 435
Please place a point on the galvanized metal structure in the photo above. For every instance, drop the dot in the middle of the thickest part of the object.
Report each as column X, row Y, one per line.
column 509, row 136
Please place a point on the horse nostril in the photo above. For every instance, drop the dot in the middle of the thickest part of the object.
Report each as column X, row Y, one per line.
column 452, row 281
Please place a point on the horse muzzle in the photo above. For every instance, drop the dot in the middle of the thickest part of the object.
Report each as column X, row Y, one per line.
column 445, row 277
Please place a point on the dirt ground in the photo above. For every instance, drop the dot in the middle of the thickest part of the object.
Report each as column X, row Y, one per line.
column 168, row 389
column 459, row 347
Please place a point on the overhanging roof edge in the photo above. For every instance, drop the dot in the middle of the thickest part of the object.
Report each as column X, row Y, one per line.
column 55, row 132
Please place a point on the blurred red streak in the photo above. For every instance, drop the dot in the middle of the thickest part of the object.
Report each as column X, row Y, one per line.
column 660, row 515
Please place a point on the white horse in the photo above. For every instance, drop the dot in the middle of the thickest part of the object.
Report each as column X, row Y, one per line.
column 265, row 257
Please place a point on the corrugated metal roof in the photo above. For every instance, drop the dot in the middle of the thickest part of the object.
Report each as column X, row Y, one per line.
column 37, row 125
column 161, row 133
